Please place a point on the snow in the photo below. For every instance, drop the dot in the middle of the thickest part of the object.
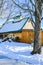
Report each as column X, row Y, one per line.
column 20, row 52
column 13, row 27
column 19, row 49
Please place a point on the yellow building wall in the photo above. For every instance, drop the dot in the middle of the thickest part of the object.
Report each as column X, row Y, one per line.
column 28, row 25
column 25, row 35
column 42, row 37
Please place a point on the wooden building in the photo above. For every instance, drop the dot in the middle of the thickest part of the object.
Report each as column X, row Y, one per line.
column 27, row 33
column 23, row 30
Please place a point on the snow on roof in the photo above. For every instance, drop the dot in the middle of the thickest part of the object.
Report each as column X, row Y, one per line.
column 13, row 27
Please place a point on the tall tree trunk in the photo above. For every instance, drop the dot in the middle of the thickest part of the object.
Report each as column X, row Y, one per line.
column 37, row 40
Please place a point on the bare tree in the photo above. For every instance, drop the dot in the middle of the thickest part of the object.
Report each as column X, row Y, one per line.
column 37, row 40
column 7, row 10
column 34, row 8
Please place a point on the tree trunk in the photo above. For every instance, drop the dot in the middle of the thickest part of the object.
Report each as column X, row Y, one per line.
column 37, row 40
column 42, row 1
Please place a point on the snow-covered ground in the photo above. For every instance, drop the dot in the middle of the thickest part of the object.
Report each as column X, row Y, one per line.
column 21, row 52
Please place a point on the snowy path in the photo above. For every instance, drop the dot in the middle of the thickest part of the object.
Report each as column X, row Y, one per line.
column 20, row 52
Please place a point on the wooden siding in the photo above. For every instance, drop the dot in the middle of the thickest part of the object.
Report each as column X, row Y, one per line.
column 42, row 37
column 25, row 35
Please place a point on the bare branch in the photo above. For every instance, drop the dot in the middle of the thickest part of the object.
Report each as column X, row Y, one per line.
column 1, row 9
column 27, row 9
column 1, row 2
column 42, row 18
column 7, row 18
column 32, row 3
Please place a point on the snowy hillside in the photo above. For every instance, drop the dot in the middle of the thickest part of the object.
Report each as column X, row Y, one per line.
column 20, row 52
